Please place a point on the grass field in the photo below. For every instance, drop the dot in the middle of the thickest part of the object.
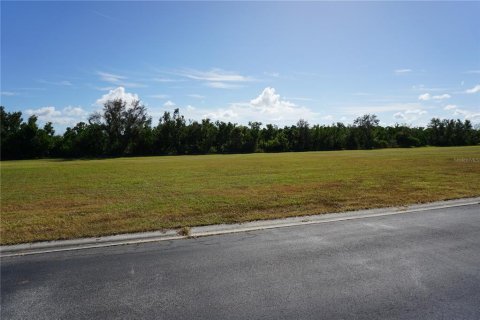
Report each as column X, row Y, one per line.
column 55, row 199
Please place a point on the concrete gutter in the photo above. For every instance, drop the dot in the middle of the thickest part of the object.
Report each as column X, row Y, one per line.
column 143, row 237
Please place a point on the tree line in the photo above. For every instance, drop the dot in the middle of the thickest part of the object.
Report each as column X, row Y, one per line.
column 121, row 130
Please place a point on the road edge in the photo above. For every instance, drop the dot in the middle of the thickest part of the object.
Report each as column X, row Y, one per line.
column 220, row 229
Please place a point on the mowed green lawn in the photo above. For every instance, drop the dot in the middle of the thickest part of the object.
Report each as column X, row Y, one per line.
column 55, row 199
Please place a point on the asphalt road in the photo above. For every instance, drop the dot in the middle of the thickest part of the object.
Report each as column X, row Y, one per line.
column 421, row 265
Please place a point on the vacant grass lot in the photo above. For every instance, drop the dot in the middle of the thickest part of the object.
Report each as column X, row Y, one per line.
column 55, row 199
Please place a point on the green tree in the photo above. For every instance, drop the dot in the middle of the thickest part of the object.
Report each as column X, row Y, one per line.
column 366, row 125
column 124, row 126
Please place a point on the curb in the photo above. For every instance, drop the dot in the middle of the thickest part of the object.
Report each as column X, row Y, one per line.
column 203, row 231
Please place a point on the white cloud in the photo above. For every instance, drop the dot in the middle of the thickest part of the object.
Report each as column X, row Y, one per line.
column 268, row 107
column 400, row 115
column 409, row 115
column 472, row 71
column 475, row 89
column 221, row 85
column 74, row 111
column 300, row 98
column 402, row 71
column 103, row 15
column 427, row 96
column 422, row 87
column 110, row 77
column 215, row 75
column 466, row 114
column 216, row 78
column 44, row 112
column 450, row 107
column 196, row 96
column 270, row 101
column 222, row 114
column 56, row 83
column 118, row 80
column 424, row 97
column 158, row 96
column 361, row 94
column 416, row 111
column 67, row 116
column 8, row 93
column 272, row 74
column 105, row 88
column 473, row 116
column 169, row 104
column 442, row 96
column 459, row 111
column 118, row 93
column 360, row 110
column 164, row 80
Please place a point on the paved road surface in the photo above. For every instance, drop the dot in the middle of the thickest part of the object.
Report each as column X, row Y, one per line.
column 422, row 265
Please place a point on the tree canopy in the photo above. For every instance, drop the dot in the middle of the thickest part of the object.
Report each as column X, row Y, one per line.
column 121, row 130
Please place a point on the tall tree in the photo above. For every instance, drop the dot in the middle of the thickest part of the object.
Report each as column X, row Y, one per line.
column 124, row 125
column 366, row 133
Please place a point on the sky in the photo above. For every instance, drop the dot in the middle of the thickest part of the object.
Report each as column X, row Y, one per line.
column 273, row 62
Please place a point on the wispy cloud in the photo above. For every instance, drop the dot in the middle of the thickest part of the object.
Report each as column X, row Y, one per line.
column 402, row 71
column 56, row 83
column 31, row 89
column 8, row 93
column 427, row 96
column 272, row 74
column 299, row 98
column 110, row 77
column 165, row 80
column 472, row 72
column 104, row 88
column 221, row 85
column 216, row 78
column 475, row 89
column 422, row 87
column 450, row 107
column 215, row 75
column 441, row 97
column 361, row 94
column 118, row 80
column 196, row 96
column 380, row 108
column 103, row 15
column 306, row 73
column 159, row 96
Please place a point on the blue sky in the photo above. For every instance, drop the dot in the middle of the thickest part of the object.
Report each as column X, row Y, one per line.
column 272, row 62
